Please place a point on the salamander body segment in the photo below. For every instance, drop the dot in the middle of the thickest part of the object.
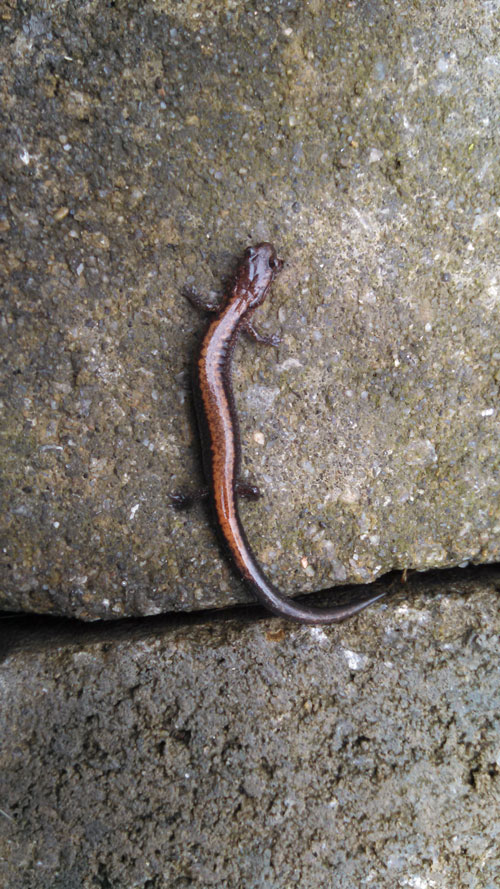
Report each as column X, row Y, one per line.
column 218, row 424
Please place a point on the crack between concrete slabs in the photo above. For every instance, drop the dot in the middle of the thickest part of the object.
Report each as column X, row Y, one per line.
column 28, row 632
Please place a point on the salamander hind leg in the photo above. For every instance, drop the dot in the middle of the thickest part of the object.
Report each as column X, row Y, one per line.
column 185, row 500
column 250, row 492
column 182, row 500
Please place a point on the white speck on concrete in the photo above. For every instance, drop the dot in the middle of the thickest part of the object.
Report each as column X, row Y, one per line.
column 355, row 660
column 318, row 634
column 290, row 362
column 374, row 156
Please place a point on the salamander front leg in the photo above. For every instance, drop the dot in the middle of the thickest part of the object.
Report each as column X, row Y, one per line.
column 198, row 302
column 272, row 340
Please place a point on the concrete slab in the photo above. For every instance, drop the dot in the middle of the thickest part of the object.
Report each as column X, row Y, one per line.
column 145, row 146
column 256, row 754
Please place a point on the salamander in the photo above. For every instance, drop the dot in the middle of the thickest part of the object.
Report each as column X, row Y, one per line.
column 219, row 432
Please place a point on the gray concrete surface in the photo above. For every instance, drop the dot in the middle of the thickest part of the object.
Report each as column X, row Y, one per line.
column 243, row 755
column 146, row 145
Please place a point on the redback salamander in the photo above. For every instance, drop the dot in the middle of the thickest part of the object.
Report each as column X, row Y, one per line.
column 218, row 424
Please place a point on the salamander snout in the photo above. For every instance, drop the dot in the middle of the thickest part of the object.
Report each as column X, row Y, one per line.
column 276, row 264
column 258, row 270
column 266, row 255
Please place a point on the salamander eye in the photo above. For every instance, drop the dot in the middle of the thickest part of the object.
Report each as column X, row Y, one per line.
column 273, row 263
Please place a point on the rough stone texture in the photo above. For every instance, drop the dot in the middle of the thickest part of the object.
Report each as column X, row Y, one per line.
column 259, row 755
column 146, row 145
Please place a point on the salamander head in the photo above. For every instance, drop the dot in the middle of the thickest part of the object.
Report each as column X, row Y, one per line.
column 256, row 273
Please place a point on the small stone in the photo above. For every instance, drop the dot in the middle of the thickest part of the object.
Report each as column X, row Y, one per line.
column 61, row 213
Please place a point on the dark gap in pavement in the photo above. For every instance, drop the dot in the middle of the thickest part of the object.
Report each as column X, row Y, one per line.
column 27, row 632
